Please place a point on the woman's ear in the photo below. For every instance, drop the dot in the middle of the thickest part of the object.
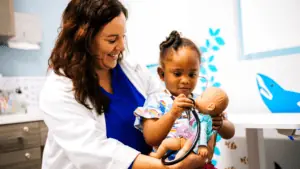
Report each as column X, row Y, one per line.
column 161, row 73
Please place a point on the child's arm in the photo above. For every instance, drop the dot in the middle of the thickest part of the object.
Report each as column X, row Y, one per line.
column 224, row 127
column 227, row 130
column 156, row 130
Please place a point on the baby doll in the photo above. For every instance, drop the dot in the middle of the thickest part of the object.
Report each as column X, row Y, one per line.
column 212, row 102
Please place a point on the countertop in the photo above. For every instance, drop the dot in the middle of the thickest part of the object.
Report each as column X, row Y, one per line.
column 33, row 114
column 266, row 120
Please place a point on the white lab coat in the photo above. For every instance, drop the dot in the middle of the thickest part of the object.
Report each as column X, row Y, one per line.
column 77, row 136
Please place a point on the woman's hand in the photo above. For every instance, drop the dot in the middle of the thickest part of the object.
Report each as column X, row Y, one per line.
column 218, row 121
column 192, row 161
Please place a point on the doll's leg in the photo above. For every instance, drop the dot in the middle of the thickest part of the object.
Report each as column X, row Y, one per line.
column 167, row 144
column 186, row 144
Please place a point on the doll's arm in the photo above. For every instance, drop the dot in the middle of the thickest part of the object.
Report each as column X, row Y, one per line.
column 202, row 146
column 203, row 134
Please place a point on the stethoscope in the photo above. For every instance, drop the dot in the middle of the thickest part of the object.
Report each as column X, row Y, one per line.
column 194, row 142
column 197, row 133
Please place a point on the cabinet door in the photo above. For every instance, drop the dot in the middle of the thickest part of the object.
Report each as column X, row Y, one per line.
column 19, row 136
column 44, row 132
column 7, row 28
column 23, row 159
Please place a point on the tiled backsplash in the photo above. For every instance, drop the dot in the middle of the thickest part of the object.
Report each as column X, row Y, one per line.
column 29, row 86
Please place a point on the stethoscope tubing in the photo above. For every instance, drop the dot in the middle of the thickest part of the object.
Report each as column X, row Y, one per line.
column 193, row 145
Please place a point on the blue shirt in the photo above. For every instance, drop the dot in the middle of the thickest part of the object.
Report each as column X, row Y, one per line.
column 119, row 117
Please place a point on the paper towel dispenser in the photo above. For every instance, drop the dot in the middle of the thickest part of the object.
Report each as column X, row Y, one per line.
column 19, row 30
column 28, row 35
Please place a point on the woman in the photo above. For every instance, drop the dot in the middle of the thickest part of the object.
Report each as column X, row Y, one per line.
column 91, row 92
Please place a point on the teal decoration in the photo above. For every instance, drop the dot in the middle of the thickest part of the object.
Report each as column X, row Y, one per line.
column 218, row 138
column 212, row 68
column 217, row 151
column 211, row 58
column 220, row 41
column 203, row 80
column 210, row 49
column 203, row 49
column 207, row 43
column 217, row 84
column 202, row 71
column 153, row 68
column 214, row 162
column 215, row 48
column 214, row 32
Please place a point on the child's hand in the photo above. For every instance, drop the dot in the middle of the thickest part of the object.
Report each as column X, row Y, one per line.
column 203, row 152
column 218, row 121
column 181, row 103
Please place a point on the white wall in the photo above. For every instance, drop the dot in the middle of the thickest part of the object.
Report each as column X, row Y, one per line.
column 274, row 23
column 150, row 21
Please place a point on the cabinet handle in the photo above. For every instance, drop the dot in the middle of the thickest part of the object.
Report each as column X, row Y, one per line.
column 26, row 129
column 27, row 155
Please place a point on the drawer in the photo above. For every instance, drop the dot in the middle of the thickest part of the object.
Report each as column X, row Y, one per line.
column 19, row 136
column 44, row 132
column 16, row 158
column 33, row 164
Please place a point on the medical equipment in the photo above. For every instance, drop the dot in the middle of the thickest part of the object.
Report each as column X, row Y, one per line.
column 194, row 142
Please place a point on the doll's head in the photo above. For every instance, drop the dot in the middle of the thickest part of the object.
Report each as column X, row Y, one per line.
column 212, row 101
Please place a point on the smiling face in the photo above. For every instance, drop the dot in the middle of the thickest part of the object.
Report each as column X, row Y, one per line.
column 110, row 42
column 180, row 71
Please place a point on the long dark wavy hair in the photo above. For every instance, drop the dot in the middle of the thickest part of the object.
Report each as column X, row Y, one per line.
column 72, row 56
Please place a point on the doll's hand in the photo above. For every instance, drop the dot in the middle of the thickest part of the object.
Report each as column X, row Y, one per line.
column 217, row 121
column 203, row 151
column 181, row 103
